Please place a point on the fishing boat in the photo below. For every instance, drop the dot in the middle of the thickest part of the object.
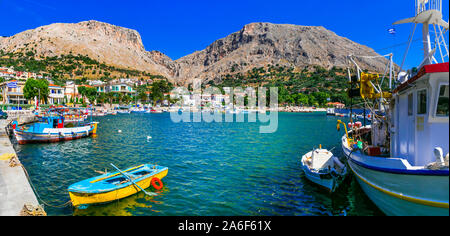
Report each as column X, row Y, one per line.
column 51, row 127
column 155, row 111
column 137, row 110
column 98, row 113
column 323, row 168
column 331, row 111
column 401, row 160
column 116, row 185
column 111, row 112
column 123, row 110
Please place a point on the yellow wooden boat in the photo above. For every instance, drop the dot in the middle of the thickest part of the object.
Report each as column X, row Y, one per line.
column 113, row 186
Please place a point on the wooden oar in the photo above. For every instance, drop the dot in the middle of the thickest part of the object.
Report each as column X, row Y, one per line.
column 149, row 194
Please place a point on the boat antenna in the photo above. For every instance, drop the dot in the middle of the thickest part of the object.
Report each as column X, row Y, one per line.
column 428, row 12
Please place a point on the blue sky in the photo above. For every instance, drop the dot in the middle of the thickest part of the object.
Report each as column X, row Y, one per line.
column 178, row 28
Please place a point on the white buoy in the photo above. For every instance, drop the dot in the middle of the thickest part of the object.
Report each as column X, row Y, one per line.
column 120, row 131
column 149, row 137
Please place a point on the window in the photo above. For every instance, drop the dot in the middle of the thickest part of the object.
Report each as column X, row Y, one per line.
column 442, row 105
column 422, row 102
column 410, row 104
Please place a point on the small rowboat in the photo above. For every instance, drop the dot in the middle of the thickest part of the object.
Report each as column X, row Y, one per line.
column 323, row 168
column 112, row 186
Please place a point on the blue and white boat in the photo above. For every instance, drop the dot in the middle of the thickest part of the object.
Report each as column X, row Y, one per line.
column 323, row 168
column 53, row 128
column 401, row 160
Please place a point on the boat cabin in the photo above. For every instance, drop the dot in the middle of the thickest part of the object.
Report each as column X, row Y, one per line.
column 419, row 114
column 46, row 122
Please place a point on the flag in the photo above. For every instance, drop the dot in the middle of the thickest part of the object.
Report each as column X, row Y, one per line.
column 12, row 85
column 391, row 30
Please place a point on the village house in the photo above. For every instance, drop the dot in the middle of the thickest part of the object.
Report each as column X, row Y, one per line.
column 12, row 92
column 7, row 73
column 71, row 91
column 120, row 87
column 56, row 94
column 335, row 104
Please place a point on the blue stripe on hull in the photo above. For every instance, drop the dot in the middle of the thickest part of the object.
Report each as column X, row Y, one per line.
column 403, row 171
column 392, row 205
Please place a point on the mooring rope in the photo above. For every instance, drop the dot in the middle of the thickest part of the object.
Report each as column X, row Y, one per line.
column 39, row 197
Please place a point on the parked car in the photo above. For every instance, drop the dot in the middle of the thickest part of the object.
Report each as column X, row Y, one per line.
column 3, row 115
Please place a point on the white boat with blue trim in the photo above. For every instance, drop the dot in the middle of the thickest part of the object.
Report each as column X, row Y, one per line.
column 401, row 160
column 52, row 127
column 323, row 168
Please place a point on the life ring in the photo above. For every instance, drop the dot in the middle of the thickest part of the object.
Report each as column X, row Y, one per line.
column 157, row 186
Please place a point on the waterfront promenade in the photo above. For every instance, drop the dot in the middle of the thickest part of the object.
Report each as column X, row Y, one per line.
column 15, row 190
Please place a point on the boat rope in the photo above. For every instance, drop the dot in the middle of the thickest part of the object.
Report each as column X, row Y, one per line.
column 398, row 45
column 39, row 197
column 371, row 57
column 30, row 210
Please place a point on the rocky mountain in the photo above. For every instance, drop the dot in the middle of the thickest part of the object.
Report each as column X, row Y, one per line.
column 262, row 44
column 109, row 44
column 255, row 45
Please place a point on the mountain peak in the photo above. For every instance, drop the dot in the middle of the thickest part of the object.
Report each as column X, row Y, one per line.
column 257, row 44
column 261, row 44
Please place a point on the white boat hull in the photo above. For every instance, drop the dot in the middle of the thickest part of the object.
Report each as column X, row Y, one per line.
column 400, row 191
column 53, row 134
column 320, row 167
column 328, row 184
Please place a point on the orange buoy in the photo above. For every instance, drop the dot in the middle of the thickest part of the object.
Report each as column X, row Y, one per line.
column 157, row 186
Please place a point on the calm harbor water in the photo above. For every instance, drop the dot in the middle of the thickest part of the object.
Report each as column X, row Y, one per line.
column 221, row 169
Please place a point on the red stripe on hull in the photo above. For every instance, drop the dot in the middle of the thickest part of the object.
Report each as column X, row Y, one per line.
column 54, row 140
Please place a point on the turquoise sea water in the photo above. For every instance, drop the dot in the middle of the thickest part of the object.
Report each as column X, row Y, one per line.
column 215, row 169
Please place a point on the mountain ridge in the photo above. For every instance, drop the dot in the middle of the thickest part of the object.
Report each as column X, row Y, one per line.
column 257, row 44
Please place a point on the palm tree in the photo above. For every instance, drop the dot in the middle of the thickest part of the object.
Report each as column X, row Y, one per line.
column 110, row 97
column 119, row 97
column 126, row 99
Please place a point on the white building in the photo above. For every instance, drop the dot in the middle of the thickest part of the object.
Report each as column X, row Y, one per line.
column 56, row 94
column 71, row 91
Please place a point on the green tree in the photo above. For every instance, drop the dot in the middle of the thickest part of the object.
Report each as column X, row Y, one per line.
column 82, row 91
column 91, row 94
column 321, row 97
column 142, row 93
column 158, row 89
column 302, row 99
column 34, row 88
column 102, row 98
column 127, row 99
column 312, row 101
column 110, row 97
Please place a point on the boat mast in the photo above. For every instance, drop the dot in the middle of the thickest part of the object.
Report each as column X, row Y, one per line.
column 429, row 12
